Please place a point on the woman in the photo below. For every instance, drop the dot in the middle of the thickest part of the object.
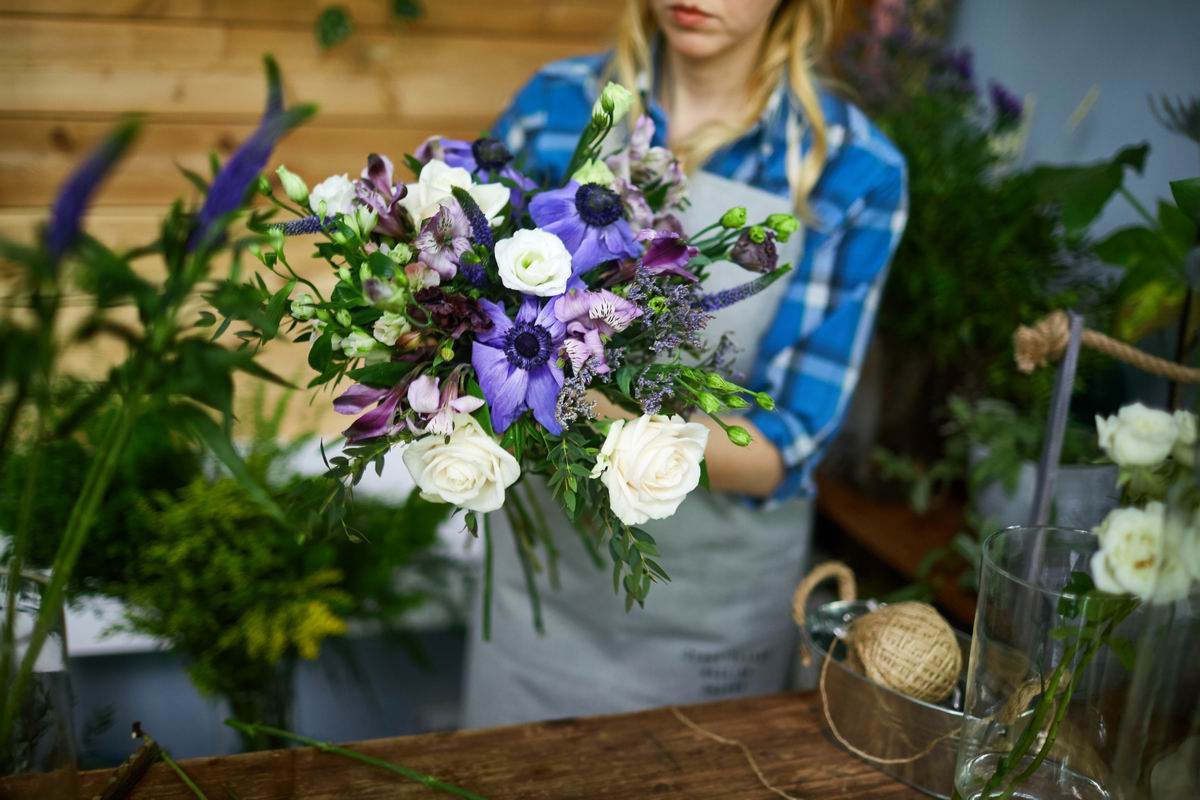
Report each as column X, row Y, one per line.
column 730, row 88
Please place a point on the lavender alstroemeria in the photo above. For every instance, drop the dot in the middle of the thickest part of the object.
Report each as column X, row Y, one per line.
column 66, row 214
column 646, row 165
column 516, row 363
column 380, row 421
column 443, row 239
column 588, row 220
column 229, row 187
column 589, row 317
column 377, row 190
column 486, row 158
column 667, row 253
column 438, row 405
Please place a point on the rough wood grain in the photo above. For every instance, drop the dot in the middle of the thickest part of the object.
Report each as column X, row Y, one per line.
column 626, row 757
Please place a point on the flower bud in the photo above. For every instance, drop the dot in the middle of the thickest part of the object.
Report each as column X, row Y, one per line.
column 400, row 252
column 709, row 403
column 715, row 381
column 262, row 186
column 765, row 401
column 338, row 236
column 784, row 225
column 447, row 352
column 365, row 221
column 343, row 317
column 657, row 304
column 736, row 401
column 293, row 185
column 738, row 435
column 594, row 171
column 303, row 307
column 756, row 255
column 344, row 274
column 757, row 234
column 615, row 101
column 734, row 218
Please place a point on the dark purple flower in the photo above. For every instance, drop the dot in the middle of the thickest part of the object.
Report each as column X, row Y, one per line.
column 588, row 220
column 229, row 187
column 958, row 64
column 755, row 250
column 517, row 363
column 453, row 313
column 1008, row 106
column 380, row 421
column 443, row 240
column 66, row 214
column 377, row 190
column 667, row 253
column 486, row 158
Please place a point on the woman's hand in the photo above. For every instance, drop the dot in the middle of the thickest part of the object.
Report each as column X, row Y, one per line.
column 755, row 470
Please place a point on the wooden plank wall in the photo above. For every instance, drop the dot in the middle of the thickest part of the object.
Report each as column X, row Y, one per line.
column 72, row 67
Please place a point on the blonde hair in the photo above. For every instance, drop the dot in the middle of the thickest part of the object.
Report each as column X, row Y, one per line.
column 795, row 41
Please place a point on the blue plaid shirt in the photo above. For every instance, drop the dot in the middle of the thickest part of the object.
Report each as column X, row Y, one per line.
column 812, row 353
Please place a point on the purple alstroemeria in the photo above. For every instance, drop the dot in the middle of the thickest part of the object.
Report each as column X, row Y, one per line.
column 438, row 405
column 229, row 187
column 589, row 317
column 380, row 421
column 443, row 239
column 378, row 191
column 667, row 253
column 516, row 363
column 66, row 214
column 588, row 220
column 486, row 158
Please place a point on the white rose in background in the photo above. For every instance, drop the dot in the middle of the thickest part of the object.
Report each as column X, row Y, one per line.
column 534, row 262
column 1185, row 446
column 1183, row 539
column 467, row 469
column 1137, row 436
column 1136, row 556
column 649, row 465
column 336, row 192
column 434, row 185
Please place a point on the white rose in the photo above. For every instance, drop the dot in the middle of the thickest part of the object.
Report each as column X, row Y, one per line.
column 1183, row 538
column 1185, row 446
column 390, row 327
column 534, row 262
column 467, row 469
column 1136, row 557
column 336, row 192
column 649, row 465
column 434, row 185
column 1137, row 436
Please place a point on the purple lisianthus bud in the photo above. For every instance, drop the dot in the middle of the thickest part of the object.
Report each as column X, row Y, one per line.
column 667, row 253
column 755, row 256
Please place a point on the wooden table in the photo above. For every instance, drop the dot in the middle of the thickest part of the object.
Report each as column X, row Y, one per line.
column 649, row 754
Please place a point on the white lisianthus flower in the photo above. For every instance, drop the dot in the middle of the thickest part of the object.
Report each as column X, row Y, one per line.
column 649, row 465
column 616, row 100
column 1136, row 556
column 534, row 262
column 303, row 307
column 336, row 192
column 468, row 469
column 390, row 327
column 434, row 185
column 358, row 344
column 1137, row 436
column 1185, row 446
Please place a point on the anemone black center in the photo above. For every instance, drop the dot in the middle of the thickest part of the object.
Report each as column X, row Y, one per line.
column 597, row 206
column 527, row 345
column 490, row 154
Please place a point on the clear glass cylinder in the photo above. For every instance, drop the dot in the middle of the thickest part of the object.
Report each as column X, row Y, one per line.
column 39, row 748
column 1056, row 693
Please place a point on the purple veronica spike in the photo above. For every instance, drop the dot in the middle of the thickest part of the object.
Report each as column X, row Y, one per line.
column 516, row 363
column 66, row 214
column 589, row 221
column 481, row 231
column 302, row 226
column 715, row 301
column 228, row 189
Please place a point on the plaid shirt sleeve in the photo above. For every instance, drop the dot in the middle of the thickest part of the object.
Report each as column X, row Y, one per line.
column 812, row 354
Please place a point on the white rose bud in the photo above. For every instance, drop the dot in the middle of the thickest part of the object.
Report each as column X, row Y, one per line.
column 649, row 465
column 1185, row 446
column 468, row 469
column 303, row 307
column 1137, row 436
column 434, row 187
column 293, row 185
column 534, row 262
column 335, row 194
column 615, row 100
column 1136, row 557
column 390, row 327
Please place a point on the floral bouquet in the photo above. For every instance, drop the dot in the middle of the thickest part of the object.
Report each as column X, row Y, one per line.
column 478, row 314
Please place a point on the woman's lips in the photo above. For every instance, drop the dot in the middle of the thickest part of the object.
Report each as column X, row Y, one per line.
column 686, row 16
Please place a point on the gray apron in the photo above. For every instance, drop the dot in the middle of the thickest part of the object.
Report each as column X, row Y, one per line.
column 721, row 628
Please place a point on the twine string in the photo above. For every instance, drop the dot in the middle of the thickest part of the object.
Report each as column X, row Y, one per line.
column 734, row 743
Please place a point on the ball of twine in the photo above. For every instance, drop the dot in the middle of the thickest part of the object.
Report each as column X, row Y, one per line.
column 907, row 647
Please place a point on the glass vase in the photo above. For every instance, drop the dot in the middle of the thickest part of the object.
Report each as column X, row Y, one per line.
column 37, row 752
column 1061, row 686
column 267, row 700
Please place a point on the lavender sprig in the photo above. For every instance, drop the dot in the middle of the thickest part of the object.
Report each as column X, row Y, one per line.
column 302, row 226
column 481, row 231
column 715, row 301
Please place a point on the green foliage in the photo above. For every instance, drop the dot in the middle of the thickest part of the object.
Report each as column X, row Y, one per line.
column 333, row 25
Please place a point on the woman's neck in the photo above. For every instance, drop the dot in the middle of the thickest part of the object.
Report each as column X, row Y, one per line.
column 696, row 91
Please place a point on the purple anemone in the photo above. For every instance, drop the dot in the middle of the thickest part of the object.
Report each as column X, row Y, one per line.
column 517, row 363
column 588, row 218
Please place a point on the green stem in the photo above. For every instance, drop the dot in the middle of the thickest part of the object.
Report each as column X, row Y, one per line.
column 20, row 545
column 538, row 529
column 487, row 579
column 1137, row 205
column 527, row 569
column 326, row 747
column 183, row 776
